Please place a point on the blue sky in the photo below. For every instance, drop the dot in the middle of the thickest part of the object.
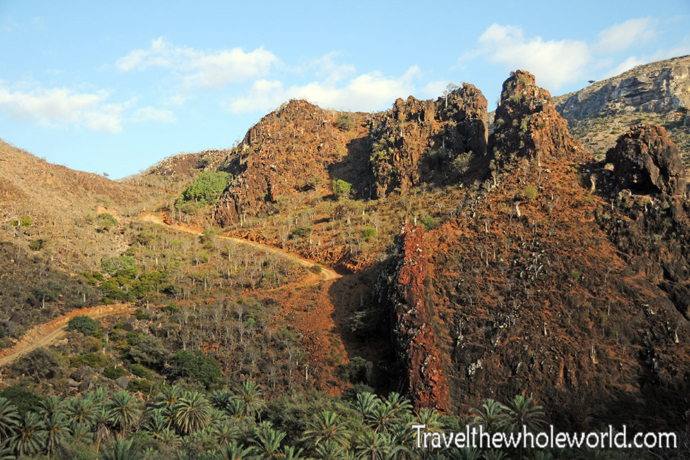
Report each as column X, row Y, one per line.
column 117, row 86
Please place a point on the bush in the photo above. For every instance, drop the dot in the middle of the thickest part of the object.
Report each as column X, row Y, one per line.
column 195, row 366
column 341, row 188
column 37, row 245
column 428, row 222
column 345, row 122
column 114, row 264
column 316, row 268
column 83, row 324
column 24, row 399
column 106, row 221
column 301, row 231
column 530, row 193
column 95, row 360
column 141, row 371
column 114, row 373
column 369, row 232
column 149, row 351
column 26, row 221
column 355, row 370
column 206, row 188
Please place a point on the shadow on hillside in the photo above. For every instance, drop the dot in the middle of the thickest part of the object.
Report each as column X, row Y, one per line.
column 354, row 168
column 361, row 327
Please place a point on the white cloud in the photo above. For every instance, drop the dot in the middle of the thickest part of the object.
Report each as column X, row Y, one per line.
column 63, row 106
column 367, row 92
column 681, row 49
column 621, row 36
column 203, row 69
column 555, row 63
column 153, row 114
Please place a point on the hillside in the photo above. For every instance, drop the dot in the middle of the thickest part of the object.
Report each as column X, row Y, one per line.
column 331, row 254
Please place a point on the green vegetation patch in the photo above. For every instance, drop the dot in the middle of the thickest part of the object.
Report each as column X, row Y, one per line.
column 206, row 188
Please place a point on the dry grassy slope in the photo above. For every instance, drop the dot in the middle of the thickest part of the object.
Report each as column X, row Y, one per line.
column 63, row 205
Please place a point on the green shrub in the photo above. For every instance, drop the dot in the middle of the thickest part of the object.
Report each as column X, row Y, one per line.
column 89, row 359
column 113, row 264
column 195, row 366
column 341, row 188
column 301, row 231
column 206, row 188
column 26, row 221
column 355, row 370
column 316, row 269
column 37, row 244
column 83, row 324
column 141, row 371
column 345, row 122
column 428, row 222
column 530, row 193
column 368, row 232
column 24, row 399
column 106, row 221
column 114, row 372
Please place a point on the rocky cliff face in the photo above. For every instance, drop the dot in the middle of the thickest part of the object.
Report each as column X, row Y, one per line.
column 288, row 151
column 527, row 124
column 401, row 291
column 537, row 295
column 650, row 219
column 656, row 93
column 645, row 159
column 660, row 87
column 419, row 140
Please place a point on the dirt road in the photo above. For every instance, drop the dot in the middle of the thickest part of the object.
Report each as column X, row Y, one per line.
column 326, row 273
column 44, row 334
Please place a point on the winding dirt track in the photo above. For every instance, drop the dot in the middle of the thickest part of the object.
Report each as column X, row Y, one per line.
column 326, row 273
column 44, row 334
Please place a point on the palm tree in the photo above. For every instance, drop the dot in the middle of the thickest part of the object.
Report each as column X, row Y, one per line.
column 168, row 437
column 51, row 405
column 430, row 419
column 494, row 454
column 289, row 453
column 234, row 451
column 399, row 404
column 250, row 394
column 220, row 398
column 81, row 432
column 236, row 408
column 123, row 450
column 57, row 428
column 123, row 411
column 466, row 453
column 366, row 403
column 329, row 450
column 9, row 419
column 30, row 437
column 268, row 441
column 324, row 427
column 168, row 397
column 155, row 422
column 192, row 413
column 101, row 424
column 80, row 410
column 225, row 433
column 491, row 416
column 382, row 418
column 374, row 446
column 523, row 412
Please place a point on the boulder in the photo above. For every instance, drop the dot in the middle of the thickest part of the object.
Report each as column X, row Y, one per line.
column 122, row 382
column 646, row 160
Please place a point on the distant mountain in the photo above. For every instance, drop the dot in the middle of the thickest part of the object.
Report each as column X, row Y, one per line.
column 657, row 93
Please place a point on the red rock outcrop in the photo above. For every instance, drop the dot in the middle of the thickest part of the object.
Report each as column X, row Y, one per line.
column 645, row 159
column 287, row 151
column 401, row 290
column 527, row 124
column 419, row 140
